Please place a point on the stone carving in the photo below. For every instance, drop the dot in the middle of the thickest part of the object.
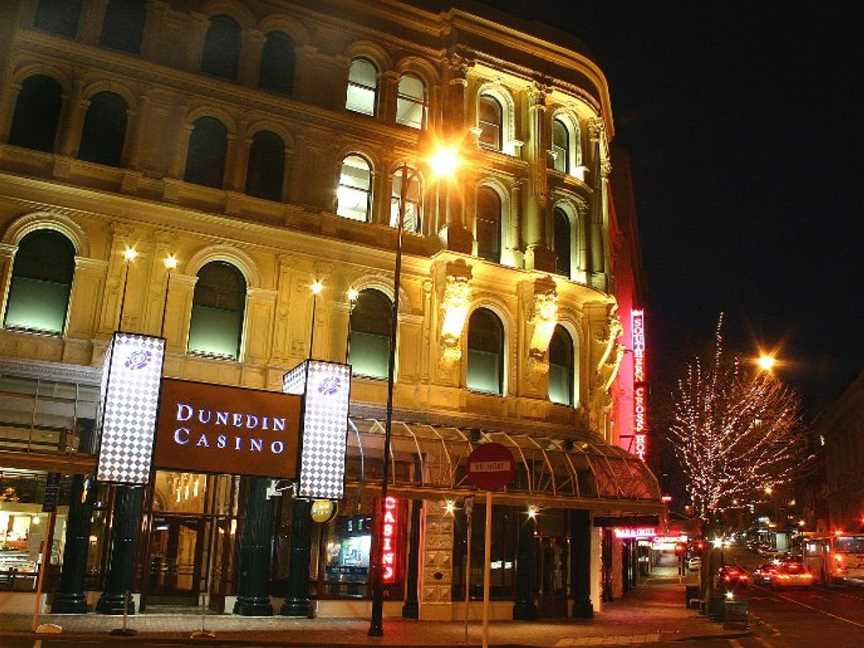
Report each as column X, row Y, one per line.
column 454, row 309
column 544, row 316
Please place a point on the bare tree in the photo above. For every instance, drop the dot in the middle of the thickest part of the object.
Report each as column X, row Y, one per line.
column 734, row 433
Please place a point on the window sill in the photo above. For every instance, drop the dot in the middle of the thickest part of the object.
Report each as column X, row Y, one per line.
column 480, row 392
column 35, row 332
column 203, row 355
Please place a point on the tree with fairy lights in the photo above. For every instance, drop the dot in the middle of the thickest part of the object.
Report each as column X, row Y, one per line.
column 735, row 434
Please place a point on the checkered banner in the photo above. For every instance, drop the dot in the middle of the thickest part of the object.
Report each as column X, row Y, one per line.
column 326, row 391
column 127, row 411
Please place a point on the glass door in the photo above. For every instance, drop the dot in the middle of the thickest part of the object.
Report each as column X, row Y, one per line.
column 176, row 546
column 552, row 599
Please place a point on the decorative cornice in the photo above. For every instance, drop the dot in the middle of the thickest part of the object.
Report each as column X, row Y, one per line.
column 54, row 371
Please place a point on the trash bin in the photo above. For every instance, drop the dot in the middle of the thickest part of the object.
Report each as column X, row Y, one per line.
column 735, row 613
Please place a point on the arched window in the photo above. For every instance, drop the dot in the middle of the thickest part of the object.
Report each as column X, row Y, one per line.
column 354, row 196
column 485, row 352
column 217, row 311
column 362, row 94
column 104, row 130
column 41, row 283
column 37, row 111
column 277, row 63
column 205, row 160
column 562, row 242
column 123, row 27
column 561, row 364
column 413, row 200
column 369, row 339
column 266, row 169
column 221, row 55
column 488, row 225
column 59, row 17
column 561, row 146
column 411, row 102
column 490, row 116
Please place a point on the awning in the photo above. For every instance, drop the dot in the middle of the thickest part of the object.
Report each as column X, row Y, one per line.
column 430, row 461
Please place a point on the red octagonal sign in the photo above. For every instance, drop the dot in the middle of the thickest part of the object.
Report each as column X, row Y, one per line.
column 490, row 466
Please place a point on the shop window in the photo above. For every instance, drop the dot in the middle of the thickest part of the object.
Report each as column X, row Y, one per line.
column 205, row 159
column 411, row 102
column 369, row 341
column 505, row 521
column 266, row 169
column 41, row 283
column 490, row 116
column 37, row 111
column 123, row 28
column 488, row 225
column 278, row 58
column 104, row 130
column 413, row 200
column 562, row 242
column 485, row 352
column 561, row 363
column 221, row 55
column 218, row 307
column 362, row 96
column 354, row 195
column 59, row 17
column 561, row 146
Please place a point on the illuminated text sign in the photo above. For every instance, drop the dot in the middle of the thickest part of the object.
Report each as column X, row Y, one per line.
column 635, row 532
column 389, row 529
column 640, row 390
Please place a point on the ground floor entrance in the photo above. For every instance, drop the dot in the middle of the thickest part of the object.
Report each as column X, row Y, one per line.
column 175, row 565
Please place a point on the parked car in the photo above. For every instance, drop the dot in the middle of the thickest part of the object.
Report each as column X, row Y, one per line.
column 694, row 564
column 790, row 574
column 732, row 576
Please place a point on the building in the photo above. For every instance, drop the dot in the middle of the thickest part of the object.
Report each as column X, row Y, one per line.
column 190, row 170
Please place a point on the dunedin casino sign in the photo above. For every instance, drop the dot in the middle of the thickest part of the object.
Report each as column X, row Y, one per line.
column 640, row 389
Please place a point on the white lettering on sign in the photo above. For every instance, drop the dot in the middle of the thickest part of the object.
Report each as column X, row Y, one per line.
column 635, row 532
column 489, row 466
column 640, row 391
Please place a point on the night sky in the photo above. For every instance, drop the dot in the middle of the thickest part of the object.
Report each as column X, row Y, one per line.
column 745, row 127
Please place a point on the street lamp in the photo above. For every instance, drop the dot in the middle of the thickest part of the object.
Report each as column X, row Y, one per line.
column 315, row 288
column 766, row 362
column 443, row 163
column 353, row 296
column 170, row 262
column 129, row 255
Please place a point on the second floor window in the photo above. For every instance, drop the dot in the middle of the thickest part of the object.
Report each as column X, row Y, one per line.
column 218, row 307
column 123, row 27
column 485, row 352
column 221, row 56
column 369, row 350
column 563, row 249
column 104, row 130
column 205, row 159
column 561, row 146
column 411, row 102
column 354, row 195
column 362, row 94
column 266, row 169
column 277, row 63
column 37, row 111
column 488, row 230
column 490, row 117
column 58, row 17
column 561, row 361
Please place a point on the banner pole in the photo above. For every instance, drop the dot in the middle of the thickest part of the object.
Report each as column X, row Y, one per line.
column 487, row 561
column 469, row 501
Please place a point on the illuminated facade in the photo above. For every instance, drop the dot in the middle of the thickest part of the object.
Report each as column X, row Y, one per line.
column 260, row 148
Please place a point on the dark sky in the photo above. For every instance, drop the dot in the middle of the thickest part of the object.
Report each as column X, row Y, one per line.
column 745, row 122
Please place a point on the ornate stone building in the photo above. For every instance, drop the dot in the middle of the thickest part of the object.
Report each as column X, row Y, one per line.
column 262, row 147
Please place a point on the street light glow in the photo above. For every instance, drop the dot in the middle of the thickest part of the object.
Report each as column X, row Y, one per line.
column 766, row 362
column 532, row 512
column 353, row 294
column 170, row 262
column 130, row 253
column 768, row 490
column 444, row 161
column 316, row 287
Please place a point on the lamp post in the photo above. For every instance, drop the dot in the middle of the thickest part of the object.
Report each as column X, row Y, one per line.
column 353, row 296
column 129, row 255
column 443, row 164
column 315, row 287
column 170, row 263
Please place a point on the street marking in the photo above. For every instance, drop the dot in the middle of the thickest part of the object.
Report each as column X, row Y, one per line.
column 815, row 609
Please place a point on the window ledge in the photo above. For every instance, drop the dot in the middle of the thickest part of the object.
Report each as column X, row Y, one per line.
column 203, row 355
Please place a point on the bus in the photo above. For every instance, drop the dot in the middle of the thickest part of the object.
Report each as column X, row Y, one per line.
column 835, row 559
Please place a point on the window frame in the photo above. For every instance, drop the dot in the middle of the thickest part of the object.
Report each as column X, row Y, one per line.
column 561, row 152
column 201, row 353
column 423, row 102
column 499, row 230
column 99, row 132
column 571, row 368
column 565, row 217
column 482, row 124
column 355, row 84
column 502, row 353
column 368, row 191
column 235, row 64
column 382, row 297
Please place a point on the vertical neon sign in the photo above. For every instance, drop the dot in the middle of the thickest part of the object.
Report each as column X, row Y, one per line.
column 388, row 538
column 640, row 392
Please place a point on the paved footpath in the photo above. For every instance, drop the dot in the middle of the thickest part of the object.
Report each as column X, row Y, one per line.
column 652, row 613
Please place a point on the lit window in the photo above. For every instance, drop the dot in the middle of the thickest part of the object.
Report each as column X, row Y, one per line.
column 362, row 94
column 413, row 201
column 490, row 120
column 221, row 56
column 37, row 111
column 41, row 283
column 218, row 306
column 369, row 341
column 354, row 196
column 561, row 361
column 561, row 146
column 411, row 102
column 562, row 242
column 104, row 130
column 485, row 352
column 488, row 225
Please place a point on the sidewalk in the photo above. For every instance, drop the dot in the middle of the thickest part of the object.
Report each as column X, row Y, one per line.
column 651, row 613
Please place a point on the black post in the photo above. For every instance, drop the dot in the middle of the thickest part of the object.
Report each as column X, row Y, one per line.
column 71, row 597
column 297, row 602
column 254, row 577
column 524, row 608
column 580, row 564
column 124, row 538
column 411, row 607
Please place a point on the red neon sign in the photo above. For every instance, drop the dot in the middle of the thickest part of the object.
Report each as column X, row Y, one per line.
column 388, row 539
column 640, row 390
column 635, row 532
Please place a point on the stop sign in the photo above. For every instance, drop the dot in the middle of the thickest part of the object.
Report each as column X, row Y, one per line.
column 490, row 466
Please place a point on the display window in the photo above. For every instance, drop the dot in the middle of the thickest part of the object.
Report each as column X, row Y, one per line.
column 505, row 521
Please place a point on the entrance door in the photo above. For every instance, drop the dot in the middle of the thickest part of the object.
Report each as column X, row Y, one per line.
column 552, row 599
column 176, row 545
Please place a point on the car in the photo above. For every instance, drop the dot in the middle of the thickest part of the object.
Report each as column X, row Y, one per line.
column 790, row 574
column 732, row 576
column 762, row 574
column 694, row 564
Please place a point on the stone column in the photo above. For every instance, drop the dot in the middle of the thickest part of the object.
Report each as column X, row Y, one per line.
column 254, row 571
column 178, row 164
column 411, row 607
column 7, row 260
column 524, row 608
column 597, row 261
column 389, row 84
column 85, row 295
column 137, row 122
column 260, row 307
column 181, row 291
column 92, row 21
column 535, row 205
column 580, row 564
column 121, row 236
column 71, row 597
column 122, row 561
column 305, row 69
column 297, row 601
column 382, row 189
column 195, row 33
column 7, row 110
column 74, row 113
column 151, row 41
column 252, row 43
column 236, row 160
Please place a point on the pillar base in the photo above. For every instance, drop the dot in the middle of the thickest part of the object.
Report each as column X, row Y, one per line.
column 71, row 603
column 112, row 603
column 582, row 610
column 524, row 611
column 253, row 606
column 411, row 610
column 297, row 607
